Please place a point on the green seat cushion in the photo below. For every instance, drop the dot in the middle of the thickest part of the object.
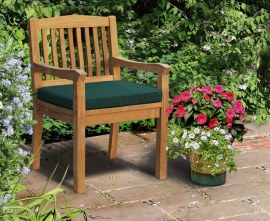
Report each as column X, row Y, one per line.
column 102, row 94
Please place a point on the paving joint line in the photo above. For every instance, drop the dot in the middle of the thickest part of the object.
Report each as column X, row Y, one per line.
column 254, row 204
column 147, row 140
column 104, row 194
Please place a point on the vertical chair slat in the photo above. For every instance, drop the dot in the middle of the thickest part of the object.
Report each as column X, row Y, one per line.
column 45, row 49
column 63, row 48
column 96, row 49
column 113, row 47
column 71, row 48
column 105, row 51
column 79, row 45
column 88, row 52
column 54, row 49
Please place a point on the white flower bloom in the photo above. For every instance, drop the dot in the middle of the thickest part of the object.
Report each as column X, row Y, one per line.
column 185, row 134
column 230, row 136
column 222, row 11
column 217, row 164
column 195, row 145
column 215, row 142
column 224, row 33
column 230, row 71
column 243, row 87
column 191, row 136
column 175, row 140
column 216, row 128
column 184, row 157
column 197, row 131
column 208, row 134
column 187, row 145
column 206, row 47
column 203, row 137
column 227, row 137
column 130, row 41
column 1, row 105
column 203, row 133
column 230, row 147
column 233, row 38
column 130, row 31
column 172, row 132
column 166, row 148
column 219, row 157
column 222, row 131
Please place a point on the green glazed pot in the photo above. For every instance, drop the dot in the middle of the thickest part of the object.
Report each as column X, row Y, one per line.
column 201, row 172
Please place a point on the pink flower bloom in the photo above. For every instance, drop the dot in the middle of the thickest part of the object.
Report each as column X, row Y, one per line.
column 181, row 111
column 206, row 97
column 201, row 118
column 207, row 89
column 241, row 119
column 219, row 89
column 217, row 103
column 176, row 100
column 230, row 113
column 169, row 110
column 238, row 107
column 199, row 89
column 229, row 120
column 229, row 96
column 229, row 125
column 213, row 123
column 186, row 95
column 194, row 101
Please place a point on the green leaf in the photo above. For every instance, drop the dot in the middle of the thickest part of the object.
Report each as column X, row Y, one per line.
column 233, row 132
column 20, row 34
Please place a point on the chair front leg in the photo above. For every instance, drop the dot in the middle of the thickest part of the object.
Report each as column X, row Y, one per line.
column 79, row 137
column 37, row 137
column 161, row 141
column 113, row 142
column 79, row 158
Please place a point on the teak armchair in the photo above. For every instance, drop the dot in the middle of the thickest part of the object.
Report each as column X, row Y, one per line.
column 76, row 78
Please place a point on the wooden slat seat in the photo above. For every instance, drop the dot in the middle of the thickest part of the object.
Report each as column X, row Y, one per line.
column 76, row 78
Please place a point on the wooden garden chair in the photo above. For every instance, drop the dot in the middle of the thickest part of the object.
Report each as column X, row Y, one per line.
column 76, row 78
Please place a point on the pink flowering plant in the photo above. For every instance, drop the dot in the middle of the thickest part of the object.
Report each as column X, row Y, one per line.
column 206, row 120
column 209, row 107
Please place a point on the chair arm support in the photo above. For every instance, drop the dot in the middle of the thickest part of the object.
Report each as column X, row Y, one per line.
column 66, row 73
column 157, row 68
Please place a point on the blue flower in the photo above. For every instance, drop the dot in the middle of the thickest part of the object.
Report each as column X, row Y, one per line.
column 6, row 82
column 25, row 170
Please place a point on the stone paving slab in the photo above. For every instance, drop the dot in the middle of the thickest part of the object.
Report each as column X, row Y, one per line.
column 126, row 189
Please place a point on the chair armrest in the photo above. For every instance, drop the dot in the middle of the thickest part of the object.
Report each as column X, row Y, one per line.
column 157, row 68
column 66, row 73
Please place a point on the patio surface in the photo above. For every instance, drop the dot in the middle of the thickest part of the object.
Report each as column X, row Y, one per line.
column 126, row 189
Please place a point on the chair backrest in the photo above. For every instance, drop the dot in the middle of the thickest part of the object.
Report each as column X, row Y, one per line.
column 75, row 41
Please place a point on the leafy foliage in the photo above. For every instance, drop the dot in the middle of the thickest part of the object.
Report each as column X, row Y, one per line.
column 205, row 42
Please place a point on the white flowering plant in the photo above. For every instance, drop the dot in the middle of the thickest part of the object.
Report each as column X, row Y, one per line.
column 213, row 145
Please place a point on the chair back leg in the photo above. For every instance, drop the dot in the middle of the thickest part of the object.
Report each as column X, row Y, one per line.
column 113, row 142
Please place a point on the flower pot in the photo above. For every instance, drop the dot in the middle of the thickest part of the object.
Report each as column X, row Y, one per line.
column 201, row 171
